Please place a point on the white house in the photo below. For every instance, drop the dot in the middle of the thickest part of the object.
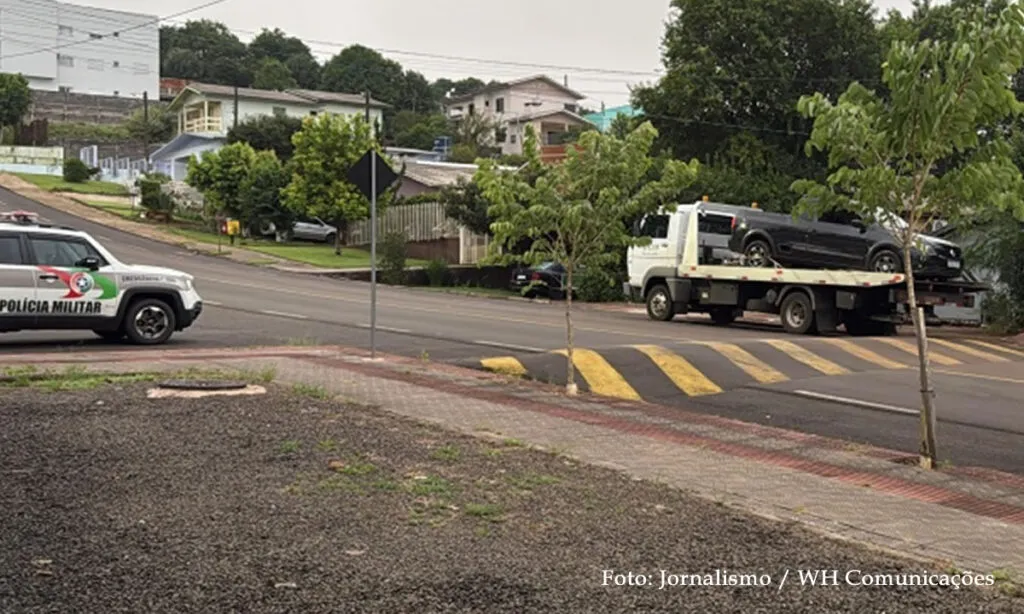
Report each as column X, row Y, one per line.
column 206, row 112
column 552, row 108
column 83, row 49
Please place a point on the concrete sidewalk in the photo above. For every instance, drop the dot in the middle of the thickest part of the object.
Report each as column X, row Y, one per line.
column 969, row 518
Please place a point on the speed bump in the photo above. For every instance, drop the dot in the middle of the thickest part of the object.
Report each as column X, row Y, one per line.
column 700, row 369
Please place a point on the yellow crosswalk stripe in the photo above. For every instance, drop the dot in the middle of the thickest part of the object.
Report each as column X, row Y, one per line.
column 504, row 364
column 998, row 348
column 751, row 365
column 601, row 377
column 911, row 348
column 865, row 354
column 807, row 357
column 688, row 378
column 969, row 350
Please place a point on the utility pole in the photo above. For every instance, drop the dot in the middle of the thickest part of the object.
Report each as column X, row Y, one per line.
column 367, row 107
column 145, row 131
column 235, row 121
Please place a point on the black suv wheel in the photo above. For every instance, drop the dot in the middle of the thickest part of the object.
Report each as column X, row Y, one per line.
column 758, row 253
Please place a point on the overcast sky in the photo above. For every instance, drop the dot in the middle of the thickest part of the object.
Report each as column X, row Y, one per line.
column 569, row 36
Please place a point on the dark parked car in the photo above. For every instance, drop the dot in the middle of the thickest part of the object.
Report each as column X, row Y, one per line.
column 546, row 279
column 839, row 240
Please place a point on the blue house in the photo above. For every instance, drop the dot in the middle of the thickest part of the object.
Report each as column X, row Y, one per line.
column 604, row 119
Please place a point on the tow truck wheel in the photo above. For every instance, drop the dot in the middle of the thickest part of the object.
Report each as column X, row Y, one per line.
column 659, row 304
column 797, row 313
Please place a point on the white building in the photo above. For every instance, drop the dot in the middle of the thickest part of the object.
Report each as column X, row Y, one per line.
column 206, row 112
column 81, row 49
column 552, row 108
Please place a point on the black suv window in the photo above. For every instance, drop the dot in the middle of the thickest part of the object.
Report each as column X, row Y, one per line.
column 10, row 250
column 715, row 223
column 61, row 252
column 655, row 227
column 838, row 216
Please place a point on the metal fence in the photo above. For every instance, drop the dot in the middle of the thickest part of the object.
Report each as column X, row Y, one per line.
column 419, row 222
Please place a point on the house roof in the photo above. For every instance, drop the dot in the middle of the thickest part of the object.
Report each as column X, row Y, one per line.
column 438, row 174
column 529, row 117
column 319, row 96
column 494, row 87
column 293, row 96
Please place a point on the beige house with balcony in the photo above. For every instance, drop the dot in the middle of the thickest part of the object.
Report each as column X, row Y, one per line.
column 206, row 112
column 552, row 108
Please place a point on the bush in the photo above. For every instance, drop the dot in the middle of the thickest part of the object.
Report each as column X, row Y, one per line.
column 76, row 171
column 153, row 197
column 392, row 258
column 437, row 272
column 597, row 285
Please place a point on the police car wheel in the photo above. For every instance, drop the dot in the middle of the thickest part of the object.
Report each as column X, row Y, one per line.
column 109, row 335
column 149, row 322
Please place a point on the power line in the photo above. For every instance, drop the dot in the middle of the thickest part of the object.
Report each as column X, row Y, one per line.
column 116, row 33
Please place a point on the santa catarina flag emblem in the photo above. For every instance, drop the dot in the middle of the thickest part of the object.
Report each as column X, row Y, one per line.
column 81, row 282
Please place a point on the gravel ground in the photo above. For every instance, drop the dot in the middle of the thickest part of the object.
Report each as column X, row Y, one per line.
column 287, row 502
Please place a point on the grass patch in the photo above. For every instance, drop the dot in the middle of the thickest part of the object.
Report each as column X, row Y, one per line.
column 315, row 254
column 472, row 291
column 448, row 454
column 485, row 511
column 290, row 446
column 317, row 392
column 72, row 378
column 431, row 485
column 529, row 481
column 54, row 183
column 121, row 210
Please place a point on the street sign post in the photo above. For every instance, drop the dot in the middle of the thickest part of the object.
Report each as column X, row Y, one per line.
column 372, row 176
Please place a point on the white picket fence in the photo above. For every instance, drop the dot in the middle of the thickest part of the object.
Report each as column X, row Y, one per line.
column 419, row 222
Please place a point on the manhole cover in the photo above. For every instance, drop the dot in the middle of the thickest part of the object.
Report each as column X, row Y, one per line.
column 182, row 384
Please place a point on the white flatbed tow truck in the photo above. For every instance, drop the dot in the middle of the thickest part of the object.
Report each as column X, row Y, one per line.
column 678, row 273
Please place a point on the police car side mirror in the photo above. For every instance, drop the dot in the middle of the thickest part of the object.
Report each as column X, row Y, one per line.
column 91, row 263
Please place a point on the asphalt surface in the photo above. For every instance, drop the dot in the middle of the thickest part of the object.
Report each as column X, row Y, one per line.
column 114, row 502
column 251, row 306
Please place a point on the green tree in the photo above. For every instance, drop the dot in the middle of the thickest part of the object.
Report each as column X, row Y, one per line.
column 159, row 127
column 325, row 150
column 417, row 130
column 926, row 151
column 358, row 69
column 262, row 188
column 290, row 51
column 203, row 50
column 15, row 99
column 464, row 202
column 273, row 74
column 417, row 95
column 220, row 175
column 445, row 87
column 273, row 132
column 575, row 212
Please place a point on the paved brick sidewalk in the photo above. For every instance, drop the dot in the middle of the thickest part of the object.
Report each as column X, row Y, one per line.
column 971, row 518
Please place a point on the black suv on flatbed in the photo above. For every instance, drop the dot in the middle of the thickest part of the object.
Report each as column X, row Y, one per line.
column 838, row 240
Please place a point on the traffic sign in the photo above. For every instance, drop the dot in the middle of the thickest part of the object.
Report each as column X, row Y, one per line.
column 361, row 175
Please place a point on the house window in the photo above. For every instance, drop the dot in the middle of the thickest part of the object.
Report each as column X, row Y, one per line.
column 487, row 103
column 65, row 30
column 65, row 88
column 499, row 105
column 512, row 139
column 472, row 109
column 65, row 60
column 95, row 36
column 117, row 64
column 570, row 107
column 279, row 111
column 313, row 113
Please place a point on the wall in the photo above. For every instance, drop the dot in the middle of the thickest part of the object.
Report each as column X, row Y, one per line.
column 87, row 108
column 92, row 61
column 36, row 160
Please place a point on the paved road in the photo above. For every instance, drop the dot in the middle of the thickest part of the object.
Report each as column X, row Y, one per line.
column 253, row 306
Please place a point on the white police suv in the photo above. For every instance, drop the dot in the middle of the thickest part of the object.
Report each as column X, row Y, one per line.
column 57, row 278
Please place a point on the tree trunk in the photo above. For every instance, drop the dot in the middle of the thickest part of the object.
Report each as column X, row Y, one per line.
column 337, row 237
column 928, row 454
column 570, row 380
